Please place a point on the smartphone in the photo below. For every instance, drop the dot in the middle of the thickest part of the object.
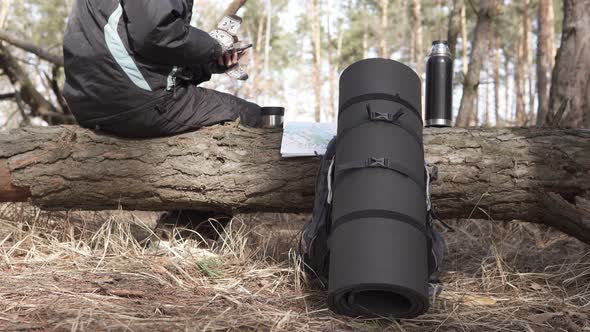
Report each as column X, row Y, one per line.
column 243, row 49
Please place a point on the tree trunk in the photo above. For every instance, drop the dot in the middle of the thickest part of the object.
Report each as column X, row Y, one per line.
column 528, row 57
column 455, row 26
column 487, row 9
column 464, row 38
column 503, row 174
column 268, row 33
column 4, row 9
column 545, row 55
column 496, row 65
column 316, row 38
column 507, row 76
column 488, row 108
column 419, row 45
column 384, row 29
column 570, row 89
column 519, row 81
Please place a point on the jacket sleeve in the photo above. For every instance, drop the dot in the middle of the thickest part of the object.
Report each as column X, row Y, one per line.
column 159, row 30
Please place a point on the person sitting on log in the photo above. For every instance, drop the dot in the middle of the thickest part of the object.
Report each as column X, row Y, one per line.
column 132, row 68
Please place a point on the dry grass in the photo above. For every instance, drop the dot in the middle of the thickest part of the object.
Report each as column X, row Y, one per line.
column 87, row 272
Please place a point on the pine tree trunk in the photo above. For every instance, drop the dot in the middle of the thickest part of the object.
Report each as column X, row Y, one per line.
column 488, row 71
column 455, row 26
column 507, row 76
column 496, row 74
column 487, row 10
column 528, row 57
column 384, row 29
column 419, row 45
column 520, row 78
column 545, row 56
column 4, row 9
column 570, row 88
column 464, row 38
column 317, row 56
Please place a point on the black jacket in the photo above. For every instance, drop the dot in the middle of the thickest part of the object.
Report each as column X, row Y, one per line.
column 124, row 55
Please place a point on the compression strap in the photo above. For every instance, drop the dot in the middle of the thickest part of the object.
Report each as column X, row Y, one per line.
column 386, row 117
column 375, row 162
column 380, row 96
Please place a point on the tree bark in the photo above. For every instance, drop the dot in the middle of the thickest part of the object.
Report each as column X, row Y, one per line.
column 570, row 89
column 545, row 56
column 501, row 174
column 487, row 9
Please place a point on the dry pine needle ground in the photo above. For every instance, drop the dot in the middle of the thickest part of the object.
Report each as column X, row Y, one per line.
column 92, row 272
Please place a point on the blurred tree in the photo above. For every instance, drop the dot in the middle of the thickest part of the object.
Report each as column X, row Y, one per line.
column 467, row 111
column 545, row 55
column 569, row 103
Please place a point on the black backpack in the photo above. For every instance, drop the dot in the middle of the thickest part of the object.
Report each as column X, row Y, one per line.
column 315, row 238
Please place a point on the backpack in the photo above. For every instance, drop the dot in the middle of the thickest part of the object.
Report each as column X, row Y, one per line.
column 316, row 234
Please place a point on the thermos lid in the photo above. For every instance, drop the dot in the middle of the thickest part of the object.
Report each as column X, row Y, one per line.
column 436, row 42
column 273, row 111
column 440, row 47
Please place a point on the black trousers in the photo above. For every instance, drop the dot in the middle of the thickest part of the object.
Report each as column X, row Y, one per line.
column 191, row 108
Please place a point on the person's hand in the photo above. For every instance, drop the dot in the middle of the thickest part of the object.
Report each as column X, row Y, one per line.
column 229, row 59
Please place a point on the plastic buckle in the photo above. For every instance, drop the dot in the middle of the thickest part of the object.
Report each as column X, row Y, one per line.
column 381, row 116
column 378, row 162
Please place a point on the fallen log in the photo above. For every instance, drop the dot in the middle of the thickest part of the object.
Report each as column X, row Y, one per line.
column 537, row 175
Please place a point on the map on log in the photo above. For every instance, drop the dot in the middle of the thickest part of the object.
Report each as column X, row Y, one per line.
column 306, row 139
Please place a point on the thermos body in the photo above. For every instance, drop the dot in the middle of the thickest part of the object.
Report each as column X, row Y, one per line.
column 439, row 86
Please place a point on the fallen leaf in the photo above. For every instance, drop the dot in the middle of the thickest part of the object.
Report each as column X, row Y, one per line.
column 479, row 300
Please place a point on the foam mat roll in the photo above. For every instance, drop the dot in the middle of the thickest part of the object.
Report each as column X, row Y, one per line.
column 378, row 243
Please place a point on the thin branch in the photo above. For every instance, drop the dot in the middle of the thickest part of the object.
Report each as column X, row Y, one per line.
column 233, row 7
column 6, row 96
column 22, row 110
column 31, row 48
column 56, row 89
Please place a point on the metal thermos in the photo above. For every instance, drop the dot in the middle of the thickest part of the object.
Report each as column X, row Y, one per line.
column 439, row 86
column 272, row 117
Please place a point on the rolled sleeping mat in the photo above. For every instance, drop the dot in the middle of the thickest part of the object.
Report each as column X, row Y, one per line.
column 378, row 242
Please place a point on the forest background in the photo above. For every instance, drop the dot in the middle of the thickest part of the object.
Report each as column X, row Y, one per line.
column 301, row 47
